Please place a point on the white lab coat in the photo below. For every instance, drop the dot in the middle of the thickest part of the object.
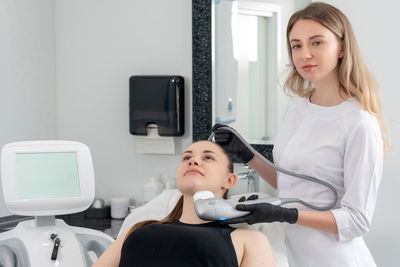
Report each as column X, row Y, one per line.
column 341, row 145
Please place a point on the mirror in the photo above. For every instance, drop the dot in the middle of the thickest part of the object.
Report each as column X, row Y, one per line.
column 246, row 42
column 239, row 56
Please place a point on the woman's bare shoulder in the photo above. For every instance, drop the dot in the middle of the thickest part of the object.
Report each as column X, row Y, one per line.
column 251, row 234
column 254, row 248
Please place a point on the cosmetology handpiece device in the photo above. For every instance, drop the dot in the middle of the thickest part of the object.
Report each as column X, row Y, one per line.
column 211, row 208
column 44, row 179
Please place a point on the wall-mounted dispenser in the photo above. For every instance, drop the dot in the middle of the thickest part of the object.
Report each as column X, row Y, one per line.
column 156, row 100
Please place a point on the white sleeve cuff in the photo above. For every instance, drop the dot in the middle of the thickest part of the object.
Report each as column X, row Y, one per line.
column 347, row 229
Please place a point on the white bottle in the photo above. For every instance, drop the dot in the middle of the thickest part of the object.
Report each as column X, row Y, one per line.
column 171, row 183
column 152, row 189
column 119, row 207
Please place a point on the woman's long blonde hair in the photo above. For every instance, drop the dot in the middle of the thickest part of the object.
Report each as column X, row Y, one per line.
column 354, row 76
column 176, row 213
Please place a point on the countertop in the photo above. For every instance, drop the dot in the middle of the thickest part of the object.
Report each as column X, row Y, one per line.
column 107, row 225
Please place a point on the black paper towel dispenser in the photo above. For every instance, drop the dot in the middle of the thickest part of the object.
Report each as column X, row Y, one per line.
column 156, row 100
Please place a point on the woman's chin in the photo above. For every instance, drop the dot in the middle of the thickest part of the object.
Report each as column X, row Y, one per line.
column 192, row 189
column 185, row 189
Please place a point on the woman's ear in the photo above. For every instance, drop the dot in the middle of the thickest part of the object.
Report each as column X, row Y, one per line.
column 230, row 181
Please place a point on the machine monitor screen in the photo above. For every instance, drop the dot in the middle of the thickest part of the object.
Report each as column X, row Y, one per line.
column 47, row 175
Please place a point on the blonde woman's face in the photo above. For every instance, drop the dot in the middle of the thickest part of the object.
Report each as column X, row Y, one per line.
column 204, row 166
column 315, row 50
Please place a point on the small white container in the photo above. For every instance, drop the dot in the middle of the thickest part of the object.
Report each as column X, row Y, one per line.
column 120, row 207
column 152, row 189
column 171, row 183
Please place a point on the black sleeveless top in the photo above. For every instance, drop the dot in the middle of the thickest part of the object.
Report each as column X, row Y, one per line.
column 179, row 244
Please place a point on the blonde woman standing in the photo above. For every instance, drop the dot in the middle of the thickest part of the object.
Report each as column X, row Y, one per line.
column 334, row 131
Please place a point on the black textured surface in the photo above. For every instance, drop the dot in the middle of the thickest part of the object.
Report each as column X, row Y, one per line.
column 201, row 51
column 201, row 88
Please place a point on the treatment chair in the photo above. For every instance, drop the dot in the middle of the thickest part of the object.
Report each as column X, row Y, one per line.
column 44, row 179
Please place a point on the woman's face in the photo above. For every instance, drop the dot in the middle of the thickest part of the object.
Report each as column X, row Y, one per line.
column 204, row 166
column 315, row 50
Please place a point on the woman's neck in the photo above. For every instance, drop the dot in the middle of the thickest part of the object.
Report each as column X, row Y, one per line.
column 328, row 92
column 188, row 213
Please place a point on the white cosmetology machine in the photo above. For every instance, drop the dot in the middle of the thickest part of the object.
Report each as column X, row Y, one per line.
column 212, row 208
column 44, row 179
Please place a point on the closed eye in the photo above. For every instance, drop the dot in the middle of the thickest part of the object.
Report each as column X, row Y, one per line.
column 208, row 157
column 187, row 157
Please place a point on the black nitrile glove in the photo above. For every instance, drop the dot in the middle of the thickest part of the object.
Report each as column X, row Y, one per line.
column 264, row 212
column 231, row 143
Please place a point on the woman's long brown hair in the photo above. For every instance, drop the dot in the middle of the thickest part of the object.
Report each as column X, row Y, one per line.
column 176, row 213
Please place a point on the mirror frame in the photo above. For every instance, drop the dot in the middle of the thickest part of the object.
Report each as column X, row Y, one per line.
column 202, row 76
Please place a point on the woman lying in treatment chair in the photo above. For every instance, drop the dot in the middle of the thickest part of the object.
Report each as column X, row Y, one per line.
column 182, row 238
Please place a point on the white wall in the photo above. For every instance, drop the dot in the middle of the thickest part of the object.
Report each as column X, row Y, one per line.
column 375, row 25
column 99, row 45
column 27, row 73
